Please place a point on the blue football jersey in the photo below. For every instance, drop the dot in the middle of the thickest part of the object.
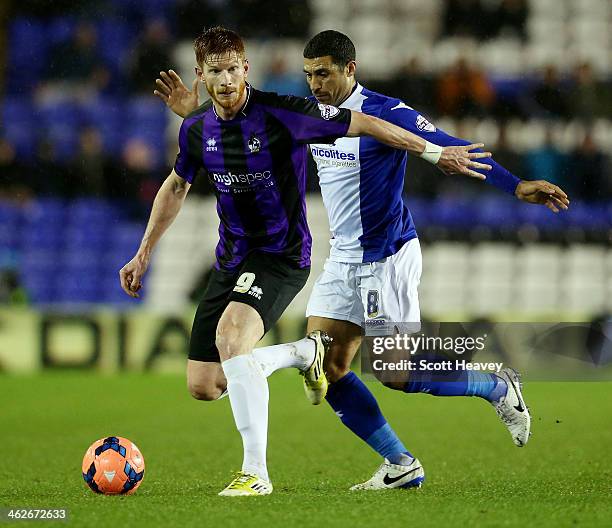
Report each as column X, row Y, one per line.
column 362, row 181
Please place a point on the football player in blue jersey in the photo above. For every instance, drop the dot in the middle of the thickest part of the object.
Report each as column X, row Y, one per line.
column 373, row 271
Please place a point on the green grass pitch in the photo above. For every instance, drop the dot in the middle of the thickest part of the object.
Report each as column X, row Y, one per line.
column 475, row 475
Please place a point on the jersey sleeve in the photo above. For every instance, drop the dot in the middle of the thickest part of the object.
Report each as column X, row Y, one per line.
column 310, row 121
column 409, row 119
column 186, row 165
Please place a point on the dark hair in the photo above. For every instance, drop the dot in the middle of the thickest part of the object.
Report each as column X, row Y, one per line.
column 333, row 43
column 215, row 41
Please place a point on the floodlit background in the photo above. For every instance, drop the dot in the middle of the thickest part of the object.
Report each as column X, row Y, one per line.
column 84, row 146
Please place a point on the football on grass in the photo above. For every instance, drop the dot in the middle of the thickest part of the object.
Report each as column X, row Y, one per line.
column 113, row 466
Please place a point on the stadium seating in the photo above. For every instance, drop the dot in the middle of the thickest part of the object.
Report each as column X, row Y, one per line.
column 70, row 252
column 85, row 242
column 459, row 279
column 18, row 124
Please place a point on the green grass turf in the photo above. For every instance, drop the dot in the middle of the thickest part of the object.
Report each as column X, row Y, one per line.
column 475, row 475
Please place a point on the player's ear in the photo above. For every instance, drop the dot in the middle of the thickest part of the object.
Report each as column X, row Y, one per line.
column 350, row 68
column 199, row 73
column 245, row 66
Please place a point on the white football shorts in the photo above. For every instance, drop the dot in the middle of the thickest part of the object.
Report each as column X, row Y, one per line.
column 381, row 296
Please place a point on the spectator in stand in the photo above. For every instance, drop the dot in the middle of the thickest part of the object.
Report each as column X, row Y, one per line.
column 413, row 86
column 290, row 21
column 549, row 98
column 464, row 90
column 547, row 162
column 12, row 292
column 461, row 19
column 138, row 178
column 587, row 97
column 150, row 56
column 76, row 64
column 591, row 171
column 53, row 8
column 49, row 174
column 189, row 16
column 281, row 80
column 16, row 180
column 90, row 166
column 505, row 155
column 508, row 19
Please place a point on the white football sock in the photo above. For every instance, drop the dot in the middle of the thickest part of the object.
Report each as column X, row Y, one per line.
column 298, row 355
column 248, row 393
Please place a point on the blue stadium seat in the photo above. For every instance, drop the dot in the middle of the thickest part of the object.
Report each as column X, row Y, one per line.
column 540, row 217
column 453, row 213
column 40, row 262
column 28, row 47
column 88, row 237
column 65, row 142
column 10, row 214
column 44, row 212
column 496, row 212
column 126, row 237
column 40, row 289
column 16, row 108
column 59, row 113
column 60, row 121
column 78, row 287
column 93, row 211
column 420, row 209
column 27, row 37
column 60, row 30
column 21, row 135
column 86, row 261
column 116, row 38
column 147, row 111
column 589, row 216
column 9, row 236
column 17, row 124
column 42, row 236
column 106, row 115
column 114, row 259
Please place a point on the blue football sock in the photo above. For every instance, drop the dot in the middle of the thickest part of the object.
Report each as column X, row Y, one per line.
column 356, row 406
column 458, row 383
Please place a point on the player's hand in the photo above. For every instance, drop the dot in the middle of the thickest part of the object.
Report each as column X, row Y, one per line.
column 543, row 193
column 459, row 160
column 172, row 91
column 131, row 275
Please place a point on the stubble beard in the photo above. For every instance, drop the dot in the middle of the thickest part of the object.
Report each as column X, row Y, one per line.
column 227, row 103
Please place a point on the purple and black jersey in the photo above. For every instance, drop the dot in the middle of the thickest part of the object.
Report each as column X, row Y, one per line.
column 257, row 165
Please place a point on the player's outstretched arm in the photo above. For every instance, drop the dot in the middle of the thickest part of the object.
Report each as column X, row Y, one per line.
column 536, row 192
column 166, row 206
column 173, row 92
column 451, row 159
column 543, row 193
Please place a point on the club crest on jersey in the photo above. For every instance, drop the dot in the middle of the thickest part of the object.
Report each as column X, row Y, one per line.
column 372, row 303
column 211, row 145
column 254, row 144
column 424, row 125
column 328, row 111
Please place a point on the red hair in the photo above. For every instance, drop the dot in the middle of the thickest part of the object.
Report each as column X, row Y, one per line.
column 216, row 41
